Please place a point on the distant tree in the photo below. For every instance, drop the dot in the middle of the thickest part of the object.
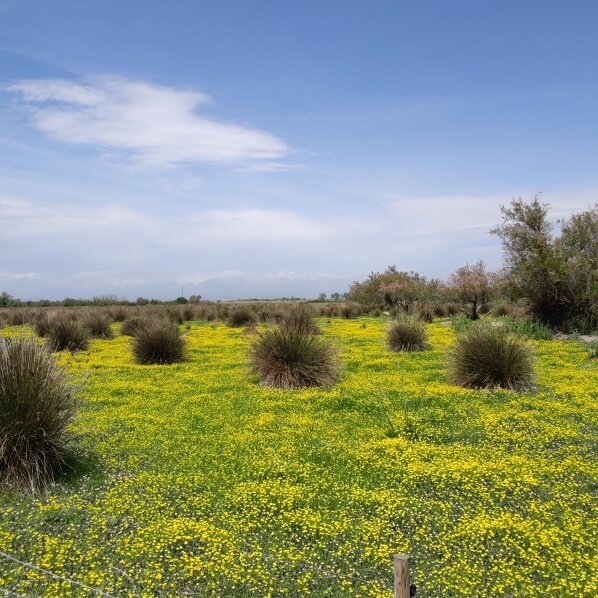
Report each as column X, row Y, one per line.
column 181, row 300
column 557, row 275
column 335, row 297
column 142, row 301
column 322, row 297
column 5, row 299
column 195, row 299
column 472, row 284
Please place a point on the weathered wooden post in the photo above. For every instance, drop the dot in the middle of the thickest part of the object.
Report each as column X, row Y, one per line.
column 401, row 575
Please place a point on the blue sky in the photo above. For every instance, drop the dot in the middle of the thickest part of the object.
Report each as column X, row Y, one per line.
column 272, row 148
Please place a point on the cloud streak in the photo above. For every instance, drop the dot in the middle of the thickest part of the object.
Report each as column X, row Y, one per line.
column 155, row 125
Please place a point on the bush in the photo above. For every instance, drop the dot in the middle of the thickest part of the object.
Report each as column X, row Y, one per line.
column 461, row 322
column 240, row 316
column 188, row 313
column 98, row 324
column 592, row 348
column 132, row 324
column 174, row 315
column 484, row 309
column 407, row 334
column 526, row 327
column 36, row 406
column 67, row 334
column 288, row 357
column 158, row 342
column 487, row 356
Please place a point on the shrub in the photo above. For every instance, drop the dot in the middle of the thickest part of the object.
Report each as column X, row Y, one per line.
column 288, row 357
column 132, row 324
column 461, row 322
column 66, row 333
column 526, row 327
column 158, row 342
column 489, row 357
column 592, row 348
column 36, row 406
column 98, row 324
column 240, row 316
column 407, row 334
column 188, row 313
column 174, row 315
column 484, row 309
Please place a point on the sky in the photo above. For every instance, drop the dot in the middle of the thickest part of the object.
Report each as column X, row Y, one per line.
column 271, row 148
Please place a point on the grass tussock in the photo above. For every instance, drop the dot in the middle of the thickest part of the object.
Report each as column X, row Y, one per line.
column 98, row 324
column 67, row 334
column 407, row 334
column 241, row 315
column 36, row 406
column 289, row 357
column 158, row 342
column 489, row 357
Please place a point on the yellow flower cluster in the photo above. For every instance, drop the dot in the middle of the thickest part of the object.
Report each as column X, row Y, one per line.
column 198, row 481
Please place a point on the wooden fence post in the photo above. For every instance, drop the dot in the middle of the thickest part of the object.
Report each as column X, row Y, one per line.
column 401, row 576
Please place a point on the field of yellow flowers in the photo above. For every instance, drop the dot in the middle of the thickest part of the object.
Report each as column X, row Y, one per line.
column 198, row 482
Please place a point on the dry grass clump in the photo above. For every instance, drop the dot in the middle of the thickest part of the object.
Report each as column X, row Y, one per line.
column 67, row 334
column 425, row 313
column 36, row 407
column 489, row 357
column 132, row 324
column 501, row 310
column 289, row 357
column 98, row 324
column 42, row 322
column 301, row 316
column 407, row 334
column 241, row 315
column 158, row 342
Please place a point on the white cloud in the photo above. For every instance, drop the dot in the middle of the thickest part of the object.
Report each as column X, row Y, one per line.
column 154, row 124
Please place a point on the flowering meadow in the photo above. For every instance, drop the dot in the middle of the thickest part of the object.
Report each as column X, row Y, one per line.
column 196, row 481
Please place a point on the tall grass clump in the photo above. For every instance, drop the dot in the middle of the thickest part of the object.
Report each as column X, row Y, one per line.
column 489, row 357
column 301, row 316
column 158, row 342
column 67, row 334
column 407, row 334
column 98, row 324
column 289, row 357
column 42, row 322
column 36, row 406
column 241, row 315
column 133, row 324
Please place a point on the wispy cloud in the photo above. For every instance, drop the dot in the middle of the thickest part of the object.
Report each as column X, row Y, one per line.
column 153, row 124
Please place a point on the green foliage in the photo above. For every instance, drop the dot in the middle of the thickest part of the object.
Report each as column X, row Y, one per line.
column 486, row 356
column 592, row 348
column 158, row 342
column 36, row 406
column 526, row 327
column 407, row 334
column 289, row 357
column 558, row 275
column 67, row 333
